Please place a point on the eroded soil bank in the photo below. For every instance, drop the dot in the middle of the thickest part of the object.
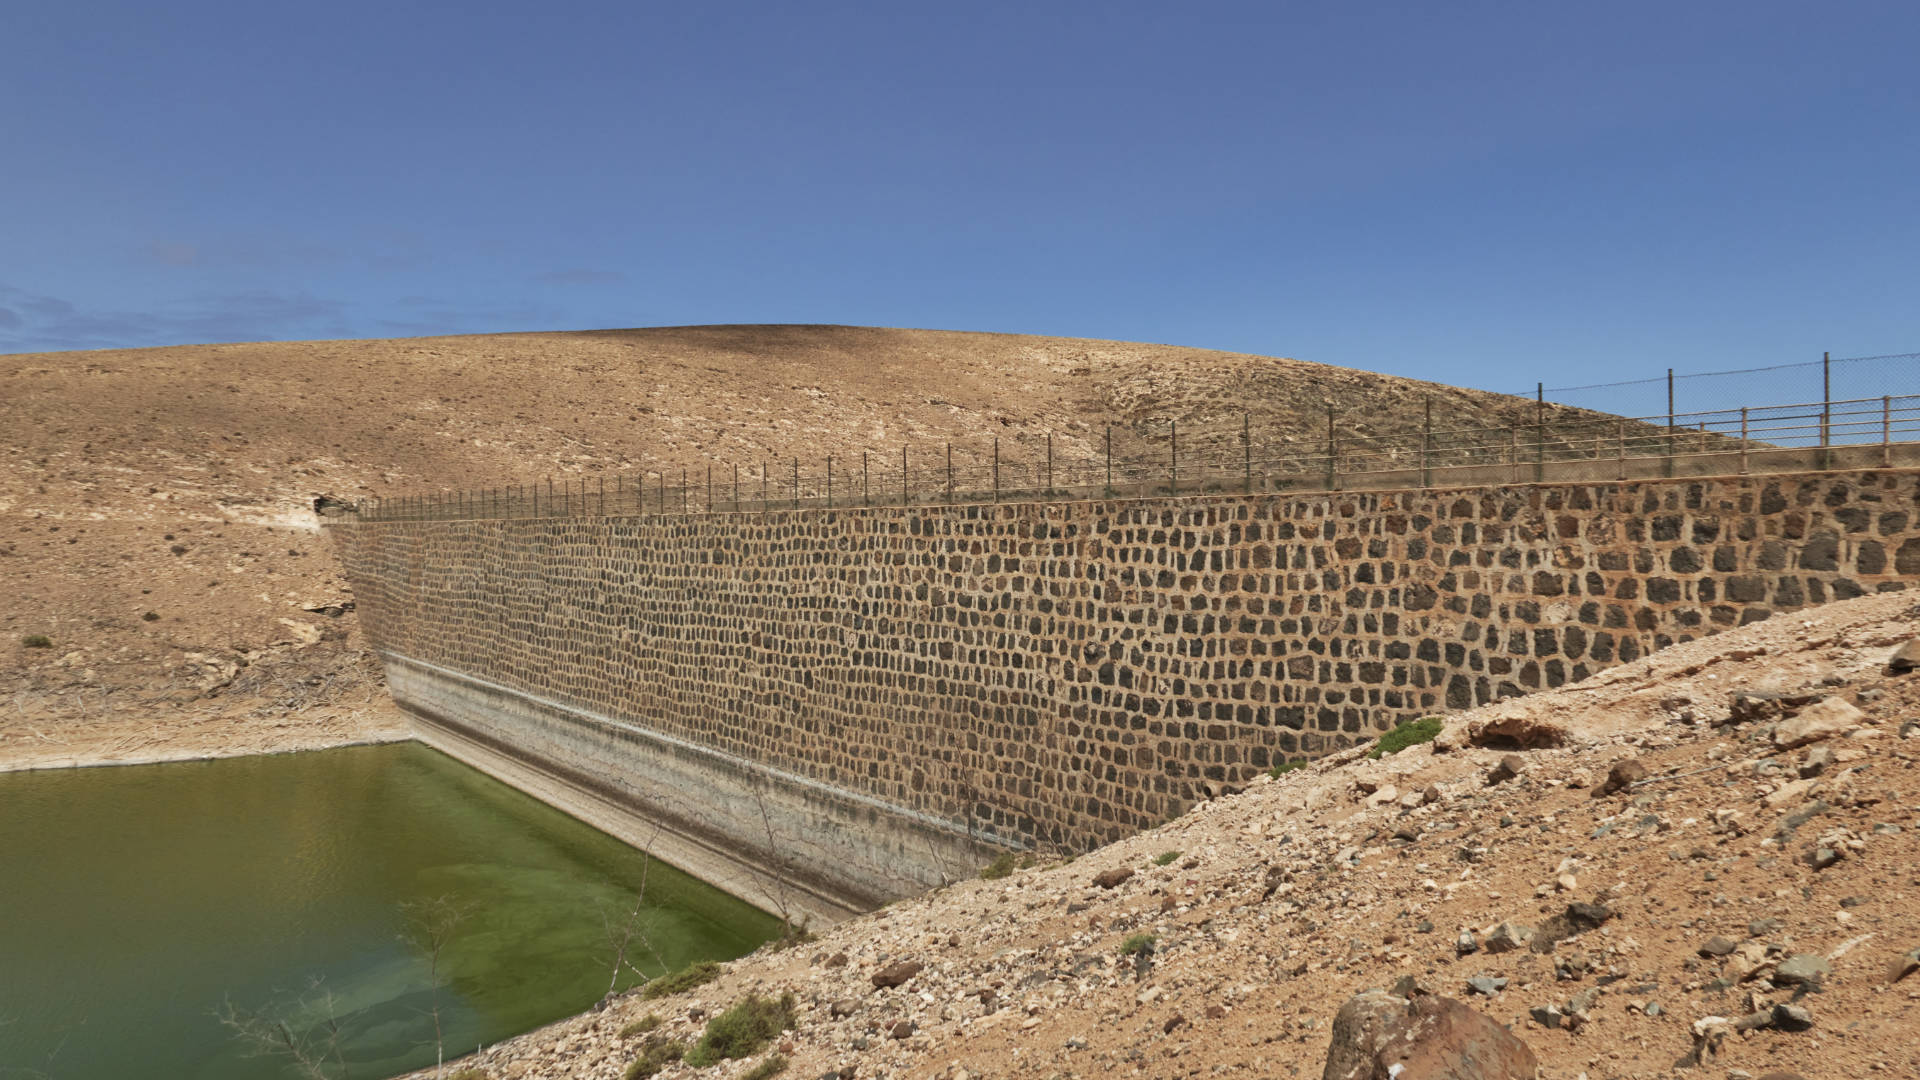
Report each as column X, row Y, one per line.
column 1744, row 869
column 139, row 735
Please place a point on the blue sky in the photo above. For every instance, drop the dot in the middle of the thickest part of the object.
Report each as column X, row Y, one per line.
column 1481, row 193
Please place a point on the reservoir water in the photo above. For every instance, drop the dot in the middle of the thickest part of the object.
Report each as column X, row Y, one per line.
column 136, row 903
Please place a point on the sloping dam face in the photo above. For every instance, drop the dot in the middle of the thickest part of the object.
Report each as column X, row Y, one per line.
column 821, row 710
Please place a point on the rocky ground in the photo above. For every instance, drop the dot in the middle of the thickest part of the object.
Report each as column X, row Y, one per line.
column 1702, row 864
column 169, row 592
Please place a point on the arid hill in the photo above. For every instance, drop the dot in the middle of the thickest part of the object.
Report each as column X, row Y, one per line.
column 155, row 523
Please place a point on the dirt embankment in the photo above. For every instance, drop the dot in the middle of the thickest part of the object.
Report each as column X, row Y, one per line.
column 1706, row 856
column 155, row 524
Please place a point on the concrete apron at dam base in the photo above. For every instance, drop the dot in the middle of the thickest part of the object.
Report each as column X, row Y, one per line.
column 809, row 853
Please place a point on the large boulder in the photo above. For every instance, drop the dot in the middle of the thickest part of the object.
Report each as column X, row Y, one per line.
column 1826, row 719
column 1428, row 1037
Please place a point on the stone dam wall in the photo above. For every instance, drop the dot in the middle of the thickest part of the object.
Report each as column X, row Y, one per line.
column 852, row 704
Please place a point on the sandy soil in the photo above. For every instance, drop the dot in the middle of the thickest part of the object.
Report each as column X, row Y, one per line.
column 155, row 504
column 1268, row 909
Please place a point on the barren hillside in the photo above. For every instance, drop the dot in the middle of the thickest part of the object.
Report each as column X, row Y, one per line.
column 1700, row 864
column 154, row 521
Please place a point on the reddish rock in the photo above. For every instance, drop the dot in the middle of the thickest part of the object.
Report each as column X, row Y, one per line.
column 1430, row 1037
column 1906, row 658
column 1108, row 879
column 1622, row 776
column 1510, row 766
column 1825, row 719
column 896, row 974
column 1521, row 732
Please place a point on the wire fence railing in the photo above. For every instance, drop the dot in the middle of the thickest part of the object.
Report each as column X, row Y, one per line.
column 1547, row 443
column 1829, row 378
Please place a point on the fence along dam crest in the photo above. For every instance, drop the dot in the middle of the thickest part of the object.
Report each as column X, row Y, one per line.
column 822, row 709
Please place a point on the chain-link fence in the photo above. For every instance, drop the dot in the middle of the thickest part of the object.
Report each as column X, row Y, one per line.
column 1551, row 439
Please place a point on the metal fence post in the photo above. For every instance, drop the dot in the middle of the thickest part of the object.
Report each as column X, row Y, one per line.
column 1540, row 432
column 1886, row 431
column 763, row 487
column 1108, row 494
column 1426, row 447
column 796, row 483
column 1667, row 468
column 1246, row 454
column 1826, row 409
column 903, row 475
column 1173, row 457
column 829, row 481
column 683, row 492
column 663, row 493
column 949, row 474
column 1513, row 451
column 1743, row 440
column 1049, row 463
column 1332, row 471
column 866, row 498
column 996, row 468
column 709, row 489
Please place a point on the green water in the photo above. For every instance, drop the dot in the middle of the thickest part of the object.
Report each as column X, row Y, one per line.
column 135, row 901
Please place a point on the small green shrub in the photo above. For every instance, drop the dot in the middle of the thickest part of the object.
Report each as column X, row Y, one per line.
column 37, row 641
column 1137, row 943
column 742, row 1030
column 685, row 979
column 1286, row 767
column 655, row 1057
column 641, row 1026
column 1006, row 864
column 1406, row 735
column 796, row 935
column 791, row 934
column 1000, row 867
column 774, row 1065
column 1165, row 857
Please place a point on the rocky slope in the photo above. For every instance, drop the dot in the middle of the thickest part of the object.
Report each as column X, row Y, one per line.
column 1700, row 864
column 155, row 504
